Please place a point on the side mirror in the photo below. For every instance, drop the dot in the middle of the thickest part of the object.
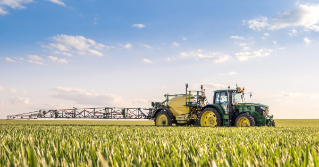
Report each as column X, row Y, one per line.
column 251, row 94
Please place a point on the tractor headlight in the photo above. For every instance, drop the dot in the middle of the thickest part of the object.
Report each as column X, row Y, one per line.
column 262, row 108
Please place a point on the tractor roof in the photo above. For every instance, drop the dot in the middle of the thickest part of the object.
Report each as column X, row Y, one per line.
column 225, row 90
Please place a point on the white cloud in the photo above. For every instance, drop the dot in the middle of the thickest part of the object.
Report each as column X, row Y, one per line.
column 35, row 57
column 184, row 39
column 263, row 38
column 14, row 4
column 138, row 25
column 55, row 59
column 230, row 73
column 266, row 34
column 302, row 15
column 59, row 2
column 175, row 44
column 19, row 100
column 258, row 23
column 35, row 62
column 237, row 37
column 1, row 104
column 87, row 98
column 307, row 40
column 242, row 56
column 127, row 46
column 168, row 59
column 1, row 88
column 19, row 58
column 275, row 42
column 9, row 60
column 13, row 90
column 293, row 32
column 282, row 48
column 214, row 57
column 68, row 44
column 147, row 61
column 147, row 46
column 245, row 46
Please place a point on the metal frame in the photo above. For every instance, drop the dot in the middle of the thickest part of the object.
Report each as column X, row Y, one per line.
column 88, row 113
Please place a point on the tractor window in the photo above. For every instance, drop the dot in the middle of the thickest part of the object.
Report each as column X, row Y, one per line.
column 217, row 96
column 223, row 98
column 237, row 98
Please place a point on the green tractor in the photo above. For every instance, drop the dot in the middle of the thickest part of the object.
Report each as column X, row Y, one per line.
column 228, row 109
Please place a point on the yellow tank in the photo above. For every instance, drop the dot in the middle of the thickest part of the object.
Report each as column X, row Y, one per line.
column 177, row 105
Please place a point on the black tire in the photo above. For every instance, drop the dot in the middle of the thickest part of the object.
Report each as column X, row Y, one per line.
column 210, row 109
column 161, row 114
column 245, row 115
column 273, row 123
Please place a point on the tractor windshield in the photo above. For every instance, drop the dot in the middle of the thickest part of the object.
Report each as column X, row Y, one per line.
column 237, row 98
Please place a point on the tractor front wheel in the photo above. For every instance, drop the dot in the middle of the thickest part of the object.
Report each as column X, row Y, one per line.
column 210, row 117
column 244, row 120
column 162, row 119
column 273, row 123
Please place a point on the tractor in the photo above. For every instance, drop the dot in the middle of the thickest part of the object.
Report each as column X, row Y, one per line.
column 228, row 109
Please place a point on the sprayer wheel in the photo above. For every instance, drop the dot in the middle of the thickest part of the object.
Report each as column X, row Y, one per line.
column 162, row 119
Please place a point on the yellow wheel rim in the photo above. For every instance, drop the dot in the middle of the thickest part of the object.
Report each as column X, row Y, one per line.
column 208, row 119
column 161, row 120
column 243, row 122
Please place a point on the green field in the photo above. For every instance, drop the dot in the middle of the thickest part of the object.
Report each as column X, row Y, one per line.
column 92, row 143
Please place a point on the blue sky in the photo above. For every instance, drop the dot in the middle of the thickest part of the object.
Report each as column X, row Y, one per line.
column 87, row 53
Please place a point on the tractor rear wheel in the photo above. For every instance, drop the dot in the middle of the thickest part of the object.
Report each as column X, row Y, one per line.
column 244, row 120
column 210, row 117
column 162, row 119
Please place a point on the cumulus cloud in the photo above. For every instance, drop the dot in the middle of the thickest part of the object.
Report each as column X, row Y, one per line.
column 9, row 60
column 258, row 23
column 147, row 61
column 175, row 44
column 35, row 57
column 245, row 46
column 84, row 97
column 243, row 56
column 127, row 46
column 68, row 45
column 282, row 48
column 237, row 37
column 35, row 62
column 138, row 25
column 293, row 32
column 168, row 59
column 266, row 34
column 14, row 4
column 306, row 16
column 214, row 57
column 19, row 100
column 59, row 2
column 307, row 40
column 184, row 39
column 230, row 73
column 55, row 59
